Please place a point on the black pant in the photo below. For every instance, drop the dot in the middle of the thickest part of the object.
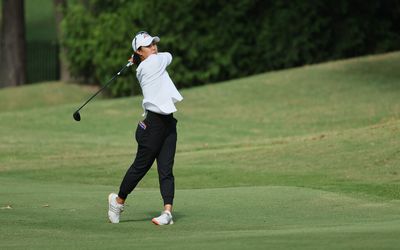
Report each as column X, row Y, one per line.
column 156, row 137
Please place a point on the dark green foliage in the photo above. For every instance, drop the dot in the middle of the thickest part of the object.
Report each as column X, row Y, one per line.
column 218, row 40
column 303, row 32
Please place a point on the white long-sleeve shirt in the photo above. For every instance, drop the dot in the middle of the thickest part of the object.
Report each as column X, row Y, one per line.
column 159, row 92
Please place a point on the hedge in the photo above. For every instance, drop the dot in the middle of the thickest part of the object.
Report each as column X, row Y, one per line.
column 213, row 41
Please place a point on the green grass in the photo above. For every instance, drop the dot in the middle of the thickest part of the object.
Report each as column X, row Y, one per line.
column 305, row 158
column 246, row 218
column 40, row 20
column 42, row 95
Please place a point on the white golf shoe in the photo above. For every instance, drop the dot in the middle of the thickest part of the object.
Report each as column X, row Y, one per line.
column 114, row 208
column 164, row 219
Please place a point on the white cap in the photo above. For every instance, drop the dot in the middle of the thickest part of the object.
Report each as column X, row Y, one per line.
column 143, row 39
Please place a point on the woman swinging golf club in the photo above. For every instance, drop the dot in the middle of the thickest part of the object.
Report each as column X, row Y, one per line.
column 156, row 134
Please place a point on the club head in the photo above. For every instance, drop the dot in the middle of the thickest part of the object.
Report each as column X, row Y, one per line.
column 77, row 116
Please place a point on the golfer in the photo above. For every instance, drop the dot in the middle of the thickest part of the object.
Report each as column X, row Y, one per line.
column 156, row 134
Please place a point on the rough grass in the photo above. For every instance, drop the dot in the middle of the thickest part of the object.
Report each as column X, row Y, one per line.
column 42, row 95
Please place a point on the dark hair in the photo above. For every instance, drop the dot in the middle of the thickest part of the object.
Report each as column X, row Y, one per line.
column 136, row 59
column 136, row 56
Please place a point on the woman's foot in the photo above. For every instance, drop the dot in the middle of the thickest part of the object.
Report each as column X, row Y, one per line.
column 114, row 208
column 164, row 219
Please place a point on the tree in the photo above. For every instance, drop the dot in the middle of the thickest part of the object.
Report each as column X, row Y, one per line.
column 59, row 7
column 12, row 44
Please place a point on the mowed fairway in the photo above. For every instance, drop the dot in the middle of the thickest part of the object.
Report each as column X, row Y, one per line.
column 306, row 158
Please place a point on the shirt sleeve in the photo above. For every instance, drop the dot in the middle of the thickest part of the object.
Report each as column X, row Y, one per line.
column 156, row 64
column 165, row 59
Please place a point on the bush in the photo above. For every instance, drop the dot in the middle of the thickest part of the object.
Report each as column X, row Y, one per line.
column 219, row 40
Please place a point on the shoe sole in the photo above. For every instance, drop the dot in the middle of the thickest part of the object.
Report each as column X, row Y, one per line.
column 155, row 222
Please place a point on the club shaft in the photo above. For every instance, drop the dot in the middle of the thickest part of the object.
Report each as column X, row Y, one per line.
column 105, row 86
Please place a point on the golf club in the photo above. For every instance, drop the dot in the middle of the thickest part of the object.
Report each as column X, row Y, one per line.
column 76, row 115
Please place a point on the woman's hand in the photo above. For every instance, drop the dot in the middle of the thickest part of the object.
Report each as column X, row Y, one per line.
column 131, row 59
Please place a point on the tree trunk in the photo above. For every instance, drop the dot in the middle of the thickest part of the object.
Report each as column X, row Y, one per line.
column 12, row 44
column 59, row 6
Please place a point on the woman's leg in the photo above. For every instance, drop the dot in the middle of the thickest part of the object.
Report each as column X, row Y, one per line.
column 165, row 163
column 143, row 162
column 150, row 139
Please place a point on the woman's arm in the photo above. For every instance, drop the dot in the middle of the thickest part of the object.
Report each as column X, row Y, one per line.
column 165, row 59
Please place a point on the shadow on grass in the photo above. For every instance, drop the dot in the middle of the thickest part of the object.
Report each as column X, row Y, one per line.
column 152, row 214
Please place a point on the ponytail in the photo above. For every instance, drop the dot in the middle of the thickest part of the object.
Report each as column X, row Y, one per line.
column 136, row 59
